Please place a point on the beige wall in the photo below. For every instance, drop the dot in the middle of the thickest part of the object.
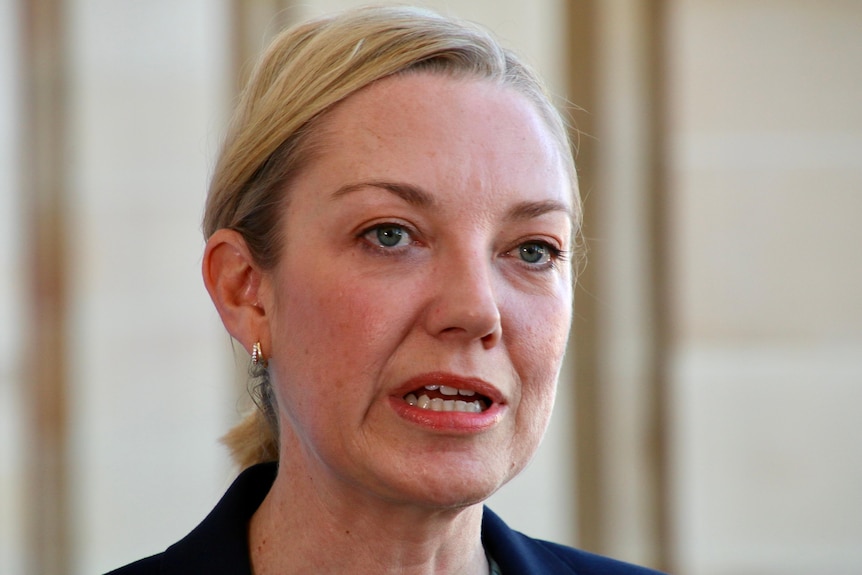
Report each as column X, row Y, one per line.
column 765, row 156
column 150, row 363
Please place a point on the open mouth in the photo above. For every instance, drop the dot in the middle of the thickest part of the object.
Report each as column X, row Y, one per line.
column 444, row 398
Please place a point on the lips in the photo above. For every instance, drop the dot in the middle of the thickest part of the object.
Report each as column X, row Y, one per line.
column 443, row 400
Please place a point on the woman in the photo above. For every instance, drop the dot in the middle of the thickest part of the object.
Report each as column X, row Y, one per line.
column 390, row 233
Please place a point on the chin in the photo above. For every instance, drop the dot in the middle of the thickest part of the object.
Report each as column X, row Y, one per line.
column 453, row 487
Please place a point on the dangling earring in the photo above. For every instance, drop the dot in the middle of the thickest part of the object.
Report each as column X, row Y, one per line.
column 257, row 355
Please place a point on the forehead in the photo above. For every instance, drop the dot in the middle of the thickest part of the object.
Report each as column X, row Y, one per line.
column 461, row 133
column 399, row 105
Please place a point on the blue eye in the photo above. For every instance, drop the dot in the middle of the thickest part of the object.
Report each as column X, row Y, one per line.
column 388, row 235
column 536, row 253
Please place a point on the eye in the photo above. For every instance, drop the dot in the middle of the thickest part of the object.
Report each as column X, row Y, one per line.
column 538, row 254
column 388, row 236
column 534, row 253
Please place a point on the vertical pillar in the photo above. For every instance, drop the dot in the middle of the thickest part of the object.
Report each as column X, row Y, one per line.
column 619, row 333
column 662, row 308
column 254, row 24
column 44, row 179
column 582, row 92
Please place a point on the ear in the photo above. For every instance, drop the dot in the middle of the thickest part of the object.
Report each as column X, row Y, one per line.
column 238, row 287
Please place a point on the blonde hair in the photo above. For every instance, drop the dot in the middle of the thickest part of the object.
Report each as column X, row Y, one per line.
column 306, row 71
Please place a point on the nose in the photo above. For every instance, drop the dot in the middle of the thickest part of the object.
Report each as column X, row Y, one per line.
column 464, row 305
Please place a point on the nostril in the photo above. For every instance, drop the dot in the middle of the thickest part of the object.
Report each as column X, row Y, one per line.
column 493, row 338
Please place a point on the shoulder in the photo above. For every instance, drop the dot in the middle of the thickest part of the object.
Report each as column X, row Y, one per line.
column 585, row 563
column 518, row 554
column 219, row 543
column 149, row 566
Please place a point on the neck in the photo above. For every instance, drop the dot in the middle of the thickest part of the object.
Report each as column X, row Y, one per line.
column 300, row 528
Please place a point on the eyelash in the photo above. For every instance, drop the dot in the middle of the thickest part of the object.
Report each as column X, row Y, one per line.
column 366, row 236
column 556, row 256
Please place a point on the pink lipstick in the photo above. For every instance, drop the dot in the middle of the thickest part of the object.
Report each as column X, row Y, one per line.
column 448, row 402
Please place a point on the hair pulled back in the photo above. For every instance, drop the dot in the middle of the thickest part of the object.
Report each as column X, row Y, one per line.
column 307, row 70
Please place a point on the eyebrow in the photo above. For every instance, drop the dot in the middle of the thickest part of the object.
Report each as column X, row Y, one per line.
column 416, row 196
column 528, row 210
column 411, row 194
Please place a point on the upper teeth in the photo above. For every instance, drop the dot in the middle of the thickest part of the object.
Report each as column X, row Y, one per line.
column 446, row 390
column 438, row 404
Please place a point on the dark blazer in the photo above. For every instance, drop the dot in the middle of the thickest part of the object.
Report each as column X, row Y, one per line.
column 218, row 546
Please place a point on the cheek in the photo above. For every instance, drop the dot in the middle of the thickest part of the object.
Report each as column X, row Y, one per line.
column 539, row 329
column 539, row 335
column 329, row 328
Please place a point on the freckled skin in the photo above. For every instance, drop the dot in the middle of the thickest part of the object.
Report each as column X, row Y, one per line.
column 349, row 321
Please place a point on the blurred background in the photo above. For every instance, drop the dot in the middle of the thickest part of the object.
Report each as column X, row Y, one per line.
column 709, row 420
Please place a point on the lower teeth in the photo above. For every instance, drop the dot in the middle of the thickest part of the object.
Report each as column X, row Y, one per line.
column 437, row 404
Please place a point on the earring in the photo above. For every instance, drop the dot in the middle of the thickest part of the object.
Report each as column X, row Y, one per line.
column 257, row 355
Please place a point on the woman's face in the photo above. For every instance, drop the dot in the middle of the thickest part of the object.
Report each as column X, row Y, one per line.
column 420, row 310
